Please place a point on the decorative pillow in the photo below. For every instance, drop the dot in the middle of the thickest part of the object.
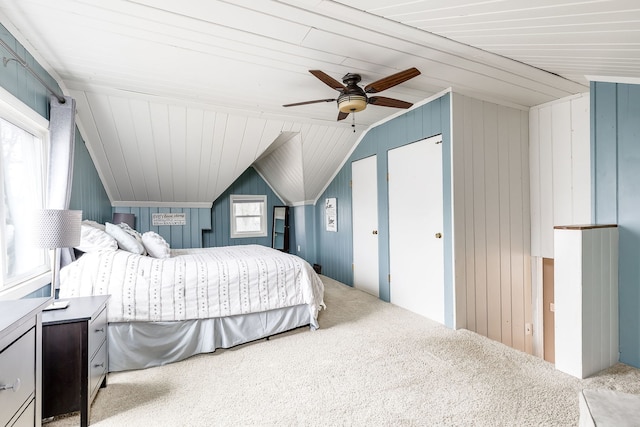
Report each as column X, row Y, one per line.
column 125, row 240
column 93, row 224
column 155, row 244
column 135, row 233
column 93, row 239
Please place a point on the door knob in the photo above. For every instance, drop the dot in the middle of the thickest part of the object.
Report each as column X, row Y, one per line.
column 438, row 235
column 375, row 232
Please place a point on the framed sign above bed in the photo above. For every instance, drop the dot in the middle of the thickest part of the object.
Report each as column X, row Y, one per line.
column 168, row 219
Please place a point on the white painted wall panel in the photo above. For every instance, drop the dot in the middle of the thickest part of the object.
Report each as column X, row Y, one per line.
column 581, row 159
column 534, row 172
column 559, row 147
column 546, row 179
column 561, row 141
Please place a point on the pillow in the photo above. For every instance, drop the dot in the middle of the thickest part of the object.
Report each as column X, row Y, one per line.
column 93, row 224
column 155, row 245
column 93, row 239
column 125, row 240
column 136, row 234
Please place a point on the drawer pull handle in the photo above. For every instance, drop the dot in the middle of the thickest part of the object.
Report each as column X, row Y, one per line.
column 15, row 386
column 99, row 330
column 99, row 365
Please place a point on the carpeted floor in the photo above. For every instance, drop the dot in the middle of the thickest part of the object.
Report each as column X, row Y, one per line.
column 370, row 364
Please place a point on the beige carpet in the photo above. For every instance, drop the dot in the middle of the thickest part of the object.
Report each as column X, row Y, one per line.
column 370, row 364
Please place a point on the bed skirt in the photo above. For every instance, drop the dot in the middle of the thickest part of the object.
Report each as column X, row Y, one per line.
column 139, row 345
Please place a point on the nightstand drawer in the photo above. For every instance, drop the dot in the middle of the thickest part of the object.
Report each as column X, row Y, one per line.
column 97, row 332
column 97, row 369
column 17, row 374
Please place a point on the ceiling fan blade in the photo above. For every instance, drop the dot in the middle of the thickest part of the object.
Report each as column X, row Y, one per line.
column 389, row 102
column 342, row 116
column 392, row 80
column 308, row 102
column 327, row 79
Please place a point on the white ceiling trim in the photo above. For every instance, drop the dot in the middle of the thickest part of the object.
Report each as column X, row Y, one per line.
column 136, row 204
column 614, row 79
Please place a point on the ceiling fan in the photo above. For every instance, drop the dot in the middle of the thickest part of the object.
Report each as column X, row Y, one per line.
column 353, row 98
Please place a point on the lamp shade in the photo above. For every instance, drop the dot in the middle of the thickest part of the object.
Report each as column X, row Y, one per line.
column 127, row 218
column 57, row 228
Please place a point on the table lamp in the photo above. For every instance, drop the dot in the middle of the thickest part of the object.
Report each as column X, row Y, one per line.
column 55, row 229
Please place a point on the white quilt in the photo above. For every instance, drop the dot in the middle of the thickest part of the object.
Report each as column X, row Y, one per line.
column 194, row 283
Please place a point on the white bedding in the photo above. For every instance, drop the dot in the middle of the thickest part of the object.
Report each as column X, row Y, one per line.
column 194, row 283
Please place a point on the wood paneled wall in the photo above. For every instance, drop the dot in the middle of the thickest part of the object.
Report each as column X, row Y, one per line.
column 486, row 212
column 209, row 227
column 560, row 176
column 87, row 192
column 19, row 82
column 615, row 113
column 560, row 168
column 305, row 233
column 335, row 249
column 250, row 182
column 491, row 223
column 178, row 236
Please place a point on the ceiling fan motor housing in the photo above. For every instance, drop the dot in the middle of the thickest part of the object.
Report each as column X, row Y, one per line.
column 353, row 98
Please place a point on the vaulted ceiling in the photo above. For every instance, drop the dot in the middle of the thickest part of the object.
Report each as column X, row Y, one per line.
column 176, row 99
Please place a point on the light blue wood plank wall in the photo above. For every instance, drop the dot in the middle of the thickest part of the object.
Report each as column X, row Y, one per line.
column 615, row 145
column 19, row 82
column 87, row 192
column 178, row 236
column 251, row 183
column 211, row 227
column 335, row 249
column 304, row 230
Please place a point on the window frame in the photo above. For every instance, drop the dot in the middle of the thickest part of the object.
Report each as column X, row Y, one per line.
column 20, row 115
column 244, row 198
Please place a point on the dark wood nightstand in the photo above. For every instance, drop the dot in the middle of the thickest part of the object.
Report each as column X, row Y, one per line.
column 74, row 356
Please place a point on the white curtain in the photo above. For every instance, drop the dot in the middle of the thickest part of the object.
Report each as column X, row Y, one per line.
column 62, row 127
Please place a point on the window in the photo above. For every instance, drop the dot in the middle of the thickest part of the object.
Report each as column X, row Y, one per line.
column 248, row 216
column 22, row 178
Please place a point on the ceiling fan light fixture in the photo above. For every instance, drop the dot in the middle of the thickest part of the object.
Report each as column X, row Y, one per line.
column 352, row 103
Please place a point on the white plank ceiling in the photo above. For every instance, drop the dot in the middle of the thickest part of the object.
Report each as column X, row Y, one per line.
column 177, row 98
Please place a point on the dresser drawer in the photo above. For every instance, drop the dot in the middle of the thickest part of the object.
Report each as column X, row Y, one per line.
column 97, row 369
column 27, row 417
column 17, row 369
column 97, row 332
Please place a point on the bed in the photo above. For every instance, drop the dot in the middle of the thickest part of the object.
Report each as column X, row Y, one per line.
column 194, row 301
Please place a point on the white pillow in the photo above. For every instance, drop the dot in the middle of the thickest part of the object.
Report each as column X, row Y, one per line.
column 155, row 244
column 133, row 233
column 93, row 239
column 125, row 240
column 93, row 224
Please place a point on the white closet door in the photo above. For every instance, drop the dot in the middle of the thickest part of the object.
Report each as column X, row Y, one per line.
column 416, row 251
column 364, row 196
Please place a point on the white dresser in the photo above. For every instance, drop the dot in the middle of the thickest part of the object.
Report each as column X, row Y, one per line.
column 21, row 361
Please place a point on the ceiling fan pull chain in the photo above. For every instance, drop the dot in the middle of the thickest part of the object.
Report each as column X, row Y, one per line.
column 353, row 122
